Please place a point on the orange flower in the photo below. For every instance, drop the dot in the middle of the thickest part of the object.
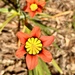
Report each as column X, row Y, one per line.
column 33, row 46
column 34, row 6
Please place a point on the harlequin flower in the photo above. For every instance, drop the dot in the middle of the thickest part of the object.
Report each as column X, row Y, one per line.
column 33, row 46
column 34, row 6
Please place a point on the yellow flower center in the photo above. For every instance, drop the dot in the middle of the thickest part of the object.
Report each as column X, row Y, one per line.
column 33, row 7
column 33, row 46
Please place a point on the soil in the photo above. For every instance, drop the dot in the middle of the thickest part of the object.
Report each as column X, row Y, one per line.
column 64, row 38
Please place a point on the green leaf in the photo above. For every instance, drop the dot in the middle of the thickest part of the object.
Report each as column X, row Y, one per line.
column 26, row 29
column 35, row 72
column 30, row 72
column 8, row 20
column 4, row 10
column 56, row 66
column 45, row 67
column 44, row 15
column 39, row 69
column 43, row 27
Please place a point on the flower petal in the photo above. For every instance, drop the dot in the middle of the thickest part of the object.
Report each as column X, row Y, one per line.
column 47, row 40
column 39, row 10
column 36, row 32
column 36, row 1
column 31, row 61
column 30, row 1
column 42, row 3
column 45, row 55
column 20, row 52
column 32, row 13
column 27, row 8
column 22, row 36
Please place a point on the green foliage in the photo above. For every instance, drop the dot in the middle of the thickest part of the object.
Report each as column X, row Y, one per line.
column 56, row 66
column 45, row 67
column 41, row 69
column 14, row 13
column 4, row 10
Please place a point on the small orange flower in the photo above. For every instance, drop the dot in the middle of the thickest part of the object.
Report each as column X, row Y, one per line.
column 33, row 46
column 34, row 6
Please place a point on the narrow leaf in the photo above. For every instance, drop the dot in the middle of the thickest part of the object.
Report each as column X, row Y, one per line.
column 44, row 15
column 45, row 67
column 8, row 20
column 30, row 72
column 43, row 27
column 35, row 71
column 4, row 10
column 56, row 66
column 26, row 29
column 39, row 69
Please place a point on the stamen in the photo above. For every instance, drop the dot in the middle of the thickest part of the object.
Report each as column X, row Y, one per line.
column 33, row 46
column 33, row 7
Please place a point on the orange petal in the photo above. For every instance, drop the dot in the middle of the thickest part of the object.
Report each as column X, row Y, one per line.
column 22, row 36
column 20, row 52
column 31, row 61
column 45, row 55
column 42, row 3
column 27, row 8
column 30, row 1
column 39, row 10
column 47, row 40
column 36, row 32
column 36, row 1
column 32, row 13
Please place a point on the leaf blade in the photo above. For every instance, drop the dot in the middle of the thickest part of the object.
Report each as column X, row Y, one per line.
column 56, row 66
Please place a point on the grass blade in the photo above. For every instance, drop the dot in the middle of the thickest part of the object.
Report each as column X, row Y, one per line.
column 56, row 66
